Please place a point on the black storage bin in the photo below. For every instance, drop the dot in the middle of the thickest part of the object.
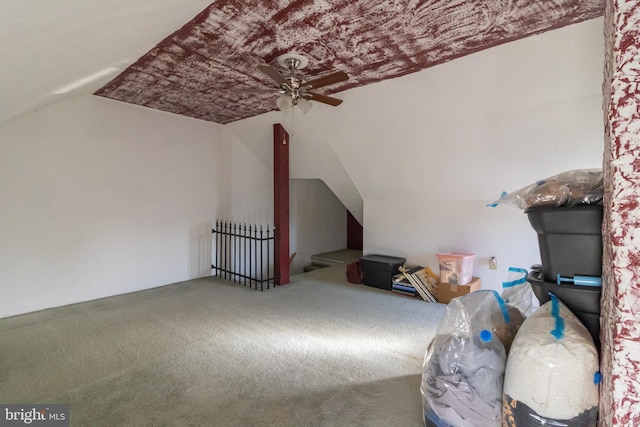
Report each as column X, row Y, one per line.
column 583, row 301
column 570, row 240
column 378, row 270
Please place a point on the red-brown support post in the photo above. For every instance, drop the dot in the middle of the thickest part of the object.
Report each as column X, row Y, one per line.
column 281, row 204
column 354, row 232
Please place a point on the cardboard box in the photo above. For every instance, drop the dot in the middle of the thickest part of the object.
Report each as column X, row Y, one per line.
column 448, row 291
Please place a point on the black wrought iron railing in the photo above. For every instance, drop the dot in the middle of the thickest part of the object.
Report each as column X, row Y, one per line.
column 242, row 253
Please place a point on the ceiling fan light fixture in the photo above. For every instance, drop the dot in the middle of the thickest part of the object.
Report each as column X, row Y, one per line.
column 295, row 90
column 304, row 105
column 284, row 103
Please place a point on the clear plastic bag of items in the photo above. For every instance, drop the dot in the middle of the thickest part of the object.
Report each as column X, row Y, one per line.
column 517, row 291
column 463, row 370
column 552, row 376
column 570, row 188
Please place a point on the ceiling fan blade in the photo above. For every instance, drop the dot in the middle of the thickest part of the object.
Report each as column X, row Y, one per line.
column 273, row 73
column 338, row 76
column 325, row 99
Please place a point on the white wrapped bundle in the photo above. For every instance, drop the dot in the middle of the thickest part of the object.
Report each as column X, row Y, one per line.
column 552, row 375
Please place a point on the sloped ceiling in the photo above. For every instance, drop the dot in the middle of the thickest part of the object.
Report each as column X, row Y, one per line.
column 55, row 50
column 155, row 53
column 197, row 70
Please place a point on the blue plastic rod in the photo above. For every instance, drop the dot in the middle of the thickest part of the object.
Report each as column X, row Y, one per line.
column 581, row 280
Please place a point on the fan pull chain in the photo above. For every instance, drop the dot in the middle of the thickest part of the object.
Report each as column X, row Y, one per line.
column 293, row 122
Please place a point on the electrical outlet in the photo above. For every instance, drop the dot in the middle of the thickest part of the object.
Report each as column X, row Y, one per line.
column 493, row 263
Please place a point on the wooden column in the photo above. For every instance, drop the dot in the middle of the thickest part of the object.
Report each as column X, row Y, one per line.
column 354, row 232
column 281, row 203
column 620, row 307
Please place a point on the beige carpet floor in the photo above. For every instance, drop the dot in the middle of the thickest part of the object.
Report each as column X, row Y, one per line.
column 316, row 352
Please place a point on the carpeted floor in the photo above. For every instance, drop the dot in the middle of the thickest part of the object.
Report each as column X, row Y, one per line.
column 316, row 352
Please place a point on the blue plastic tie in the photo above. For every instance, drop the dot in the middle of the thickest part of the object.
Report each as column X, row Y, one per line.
column 517, row 270
column 558, row 331
column 493, row 205
column 554, row 304
column 519, row 281
column 503, row 307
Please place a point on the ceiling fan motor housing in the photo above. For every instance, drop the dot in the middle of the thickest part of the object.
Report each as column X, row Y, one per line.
column 292, row 61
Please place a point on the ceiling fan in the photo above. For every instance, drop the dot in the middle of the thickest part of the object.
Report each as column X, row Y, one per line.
column 295, row 90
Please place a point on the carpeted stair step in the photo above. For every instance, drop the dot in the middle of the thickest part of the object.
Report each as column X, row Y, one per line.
column 312, row 267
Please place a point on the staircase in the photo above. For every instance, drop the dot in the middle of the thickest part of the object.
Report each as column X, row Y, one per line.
column 327, row 259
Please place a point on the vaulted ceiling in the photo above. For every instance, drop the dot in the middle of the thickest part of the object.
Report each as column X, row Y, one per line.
column 155, row 53
column 198, row 70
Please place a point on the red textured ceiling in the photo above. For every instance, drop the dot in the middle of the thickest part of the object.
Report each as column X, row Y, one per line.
column 195, row 71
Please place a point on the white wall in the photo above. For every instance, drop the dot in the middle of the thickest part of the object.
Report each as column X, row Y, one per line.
column 318, row 221
column 102, row 198
column 311, row 155
column 61, row 49
column 494, row 121
column 427, row 151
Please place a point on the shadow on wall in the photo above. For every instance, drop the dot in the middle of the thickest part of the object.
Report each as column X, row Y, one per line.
column 200, row 251
column 318, row 221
